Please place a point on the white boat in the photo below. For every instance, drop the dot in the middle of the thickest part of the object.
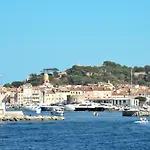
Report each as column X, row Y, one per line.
column 142, row 120
column 32, row 107
column 38, row 110
column 58, row 111
column 70, row 107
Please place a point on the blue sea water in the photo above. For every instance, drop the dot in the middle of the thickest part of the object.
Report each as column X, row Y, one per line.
column 79, row 131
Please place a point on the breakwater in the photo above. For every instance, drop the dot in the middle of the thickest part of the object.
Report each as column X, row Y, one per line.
column 19, row 116
column 30, row 118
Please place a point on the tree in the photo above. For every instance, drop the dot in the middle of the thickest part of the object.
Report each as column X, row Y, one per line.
column 17, row 84
column 147, row 69
column 7, row 85
column 50, row 70
column 35, row 79
column 140, row 98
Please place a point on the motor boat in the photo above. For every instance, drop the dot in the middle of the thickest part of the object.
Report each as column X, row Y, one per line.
column 58, row 111
column 142, row 120
column 38, row 110
column 70, row 107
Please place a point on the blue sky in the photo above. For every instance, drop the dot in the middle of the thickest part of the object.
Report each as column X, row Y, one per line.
column 37, row 34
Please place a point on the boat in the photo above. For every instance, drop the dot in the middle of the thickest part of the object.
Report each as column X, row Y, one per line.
column 49, row 107
column 38, row 110
column 31, row 107
column 57, row 111
column 142, row 120
column 89, row 106
column 70, row 107
column 95, row 113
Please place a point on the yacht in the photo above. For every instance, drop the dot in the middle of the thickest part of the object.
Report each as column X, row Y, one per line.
column 89, row 106
column 70, row 107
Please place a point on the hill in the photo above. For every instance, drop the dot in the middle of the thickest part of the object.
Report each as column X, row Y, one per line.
column 109, row 71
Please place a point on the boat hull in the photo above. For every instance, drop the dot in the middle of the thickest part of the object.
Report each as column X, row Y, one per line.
column 141, row 121
column 89, row 109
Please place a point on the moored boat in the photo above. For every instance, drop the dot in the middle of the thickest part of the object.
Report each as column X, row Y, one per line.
column 58, row 111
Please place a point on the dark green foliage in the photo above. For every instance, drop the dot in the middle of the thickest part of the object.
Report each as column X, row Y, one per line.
column 84, row 75
column 7, row 85
column 141, row 98
column 16, row 84
column 35, row 79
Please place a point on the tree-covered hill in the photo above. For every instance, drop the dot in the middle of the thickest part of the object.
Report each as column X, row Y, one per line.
column 84, row 75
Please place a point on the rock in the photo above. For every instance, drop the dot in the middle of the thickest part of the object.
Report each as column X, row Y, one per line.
column 30, row 118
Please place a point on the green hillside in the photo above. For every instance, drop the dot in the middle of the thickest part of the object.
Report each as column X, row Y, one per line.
column 111, row 71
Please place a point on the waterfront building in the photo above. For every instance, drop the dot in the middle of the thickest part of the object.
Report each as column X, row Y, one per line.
column 36, row 95
column 3, row 94
column 87, row 92
column 20, row 100
column 12, row 96
column 101, row 93
column 122, row 99
column 80, row 94
column 48, row 97
column 27, row 93
column 54, row 96
column 76, row 95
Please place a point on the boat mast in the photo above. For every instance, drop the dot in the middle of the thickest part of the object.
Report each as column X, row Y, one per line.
column 131, row 78
column 131, row 82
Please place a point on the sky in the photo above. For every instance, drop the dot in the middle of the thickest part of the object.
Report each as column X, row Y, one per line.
column 37, row 34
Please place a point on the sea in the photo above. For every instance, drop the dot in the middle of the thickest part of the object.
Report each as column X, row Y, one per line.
column 79, row 131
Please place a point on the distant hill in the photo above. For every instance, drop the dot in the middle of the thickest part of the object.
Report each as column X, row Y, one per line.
column 84, row 75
